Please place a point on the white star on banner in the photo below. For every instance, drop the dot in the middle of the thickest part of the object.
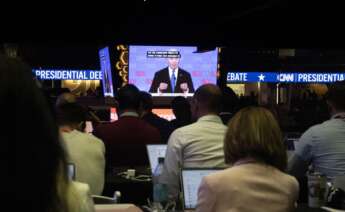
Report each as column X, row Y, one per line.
column 261, row 77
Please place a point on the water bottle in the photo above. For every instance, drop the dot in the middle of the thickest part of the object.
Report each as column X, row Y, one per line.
column 317, row 188
column 160, row 193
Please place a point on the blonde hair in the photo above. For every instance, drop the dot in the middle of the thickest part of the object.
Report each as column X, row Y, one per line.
column 68, row 196
column 254, row 133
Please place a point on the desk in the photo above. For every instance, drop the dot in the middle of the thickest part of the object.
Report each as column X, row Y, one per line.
column 135, row 192
column 301, row 208
column 117, row 208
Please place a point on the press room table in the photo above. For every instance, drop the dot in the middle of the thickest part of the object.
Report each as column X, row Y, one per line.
column 137, row 192
column 300, row 208
column 132, row 191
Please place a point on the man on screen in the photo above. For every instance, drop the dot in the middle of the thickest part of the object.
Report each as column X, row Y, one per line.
column 172, row 79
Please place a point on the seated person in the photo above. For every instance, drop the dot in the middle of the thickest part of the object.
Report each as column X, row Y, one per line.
column 229, row 104
column 38, row 155
column 85, row 151
column 256, row 180
column 199, row 144
column 163, row 125
column 181, row 110
column 323, row 146
column 125, row 140
column 66, row 97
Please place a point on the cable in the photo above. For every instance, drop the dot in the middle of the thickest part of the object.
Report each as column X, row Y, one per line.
column 140, row 178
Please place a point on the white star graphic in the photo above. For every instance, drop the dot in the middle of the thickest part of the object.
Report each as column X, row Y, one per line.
column 261, row 77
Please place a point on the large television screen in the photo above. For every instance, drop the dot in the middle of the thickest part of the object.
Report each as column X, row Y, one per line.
column 171, row 70
column 107, row 80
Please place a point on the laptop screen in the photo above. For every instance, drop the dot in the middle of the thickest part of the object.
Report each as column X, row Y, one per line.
column 191, row 179
column 71, row 171
column 291, row 139
column 154, row 152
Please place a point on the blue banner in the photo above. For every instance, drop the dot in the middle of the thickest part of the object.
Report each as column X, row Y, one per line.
column 68, row 74
column 104, row 57
column 276, row 77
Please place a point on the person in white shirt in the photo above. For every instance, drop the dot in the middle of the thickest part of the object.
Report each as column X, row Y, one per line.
column 85, row 151
column 323, row 145
column 199, row 144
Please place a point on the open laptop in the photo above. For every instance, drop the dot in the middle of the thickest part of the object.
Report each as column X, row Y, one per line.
column 71, row 171
column 190, row 182
column 291, row 139
column 155, row 151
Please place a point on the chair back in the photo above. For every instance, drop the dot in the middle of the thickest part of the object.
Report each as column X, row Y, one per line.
column 103, row 200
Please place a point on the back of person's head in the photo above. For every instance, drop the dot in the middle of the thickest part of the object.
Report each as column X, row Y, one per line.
column 66, row 97
column 71, row 114
column 275, row 110
column 254, row 133
column 180, row 107
column 33, row 137
column 128, row 98
column 336, row 95
column 229, row 100
column 207, row 99
column 146, row 102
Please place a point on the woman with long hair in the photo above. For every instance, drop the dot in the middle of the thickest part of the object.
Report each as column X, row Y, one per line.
column 41, row 183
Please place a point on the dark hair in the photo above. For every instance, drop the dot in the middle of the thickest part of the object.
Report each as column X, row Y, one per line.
column 64, row 98
column 336, row 95
column 210, row 96
column 70, row 113
column 254, row 132
column 229, row 100
column 38, row 153
column 181, row 107
column 128, row 97
column 146, row 101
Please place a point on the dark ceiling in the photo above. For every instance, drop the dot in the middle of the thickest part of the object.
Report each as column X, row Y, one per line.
column 205, row 21
column 74, row 33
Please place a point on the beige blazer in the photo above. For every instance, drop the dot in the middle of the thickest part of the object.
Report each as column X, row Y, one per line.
column 248, row 187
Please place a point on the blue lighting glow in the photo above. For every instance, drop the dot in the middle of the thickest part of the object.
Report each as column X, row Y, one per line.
column 276, row 77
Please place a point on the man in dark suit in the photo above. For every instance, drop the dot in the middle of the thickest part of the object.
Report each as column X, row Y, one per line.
column 125, row 140
column 172, row 79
